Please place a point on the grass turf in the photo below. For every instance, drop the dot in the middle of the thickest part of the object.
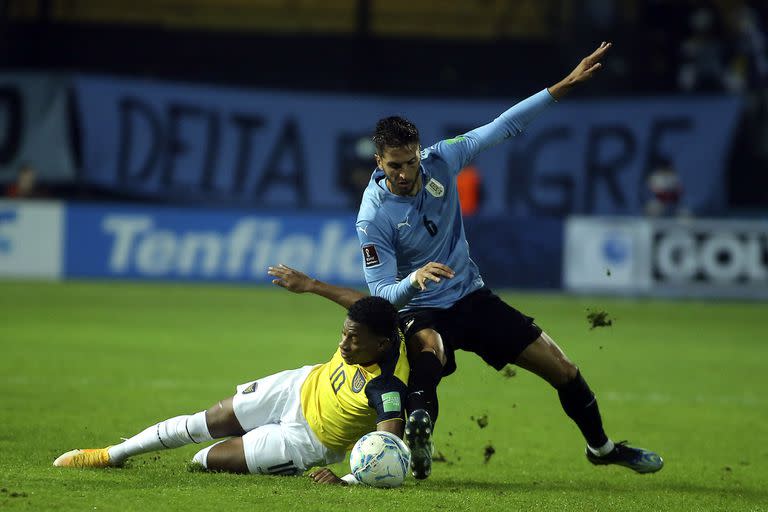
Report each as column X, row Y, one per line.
column 84, row 363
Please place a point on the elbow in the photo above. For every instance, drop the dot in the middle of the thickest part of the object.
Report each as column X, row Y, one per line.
column 389, row 292
column 385, row 292
column 516, row 129
column 399, row 304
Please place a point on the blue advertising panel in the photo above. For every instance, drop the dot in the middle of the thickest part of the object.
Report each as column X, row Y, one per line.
column 132, row 242
column 517, row 253
column 270, row 149
column 184, row 244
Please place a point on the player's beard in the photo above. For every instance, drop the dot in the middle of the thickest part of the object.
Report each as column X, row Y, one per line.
column 405, row 189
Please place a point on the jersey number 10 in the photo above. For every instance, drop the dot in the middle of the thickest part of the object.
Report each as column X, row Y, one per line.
column 338, row 378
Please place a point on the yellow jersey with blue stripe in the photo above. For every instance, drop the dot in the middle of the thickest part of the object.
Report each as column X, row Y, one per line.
column 342, row 402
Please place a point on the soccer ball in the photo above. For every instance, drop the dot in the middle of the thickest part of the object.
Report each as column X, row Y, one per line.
column 380, row 459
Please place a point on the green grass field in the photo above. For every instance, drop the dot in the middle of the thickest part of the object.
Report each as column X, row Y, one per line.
column 85, row 363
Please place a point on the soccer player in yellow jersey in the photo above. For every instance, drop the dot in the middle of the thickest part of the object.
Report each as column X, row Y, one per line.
column 288, row 422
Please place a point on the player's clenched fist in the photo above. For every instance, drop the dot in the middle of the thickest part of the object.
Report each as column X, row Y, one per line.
column 432, row 271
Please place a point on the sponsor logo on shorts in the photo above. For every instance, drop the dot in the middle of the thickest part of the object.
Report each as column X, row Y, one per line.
column 358, row 381
column 251, row 388
column 391, row 401
column 370, row 256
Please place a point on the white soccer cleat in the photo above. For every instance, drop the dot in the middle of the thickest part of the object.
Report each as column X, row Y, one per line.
column 88, row 458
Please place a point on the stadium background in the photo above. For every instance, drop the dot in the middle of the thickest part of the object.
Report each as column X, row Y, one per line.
column 198, row 141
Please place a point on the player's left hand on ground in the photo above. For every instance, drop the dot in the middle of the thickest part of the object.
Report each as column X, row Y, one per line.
column 290, row 279
column 326, row 476
column 589, row 65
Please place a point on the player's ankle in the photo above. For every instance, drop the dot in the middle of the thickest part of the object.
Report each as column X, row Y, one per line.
column 603, row 450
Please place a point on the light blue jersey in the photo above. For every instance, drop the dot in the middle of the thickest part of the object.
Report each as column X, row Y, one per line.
column 400, row 234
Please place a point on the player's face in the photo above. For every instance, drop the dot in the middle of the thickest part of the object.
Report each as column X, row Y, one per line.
column 401, row 165
column 359, row 345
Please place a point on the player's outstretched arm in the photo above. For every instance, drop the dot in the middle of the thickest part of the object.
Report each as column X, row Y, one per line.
column 460, row 151
column 299, row 282
column 586, row 69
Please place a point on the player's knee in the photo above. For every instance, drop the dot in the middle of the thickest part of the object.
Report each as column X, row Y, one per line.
column 228, row 455
column 569, row 370
column 427, row 340
column 221, row 420
column 439, row 353
column 201, row 457
column 562, row 369
column 562, row 372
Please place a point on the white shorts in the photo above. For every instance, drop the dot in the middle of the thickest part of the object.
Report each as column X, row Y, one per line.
column 278, row 440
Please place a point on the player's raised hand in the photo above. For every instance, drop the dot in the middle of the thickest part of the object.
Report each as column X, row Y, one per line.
column 588, row 66
column 290, row 279
column 432, row 271
column 326, row 476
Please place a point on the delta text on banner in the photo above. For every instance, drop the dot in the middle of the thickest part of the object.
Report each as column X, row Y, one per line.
column 272, row 149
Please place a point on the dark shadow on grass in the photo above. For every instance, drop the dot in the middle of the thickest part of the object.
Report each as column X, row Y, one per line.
column 626, row 488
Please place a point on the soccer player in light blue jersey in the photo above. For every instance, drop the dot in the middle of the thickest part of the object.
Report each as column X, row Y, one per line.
column 416, row 256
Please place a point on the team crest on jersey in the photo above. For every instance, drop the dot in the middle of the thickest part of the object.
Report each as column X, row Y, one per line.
column 251, row 388
column 358, row 381
column 435, row 188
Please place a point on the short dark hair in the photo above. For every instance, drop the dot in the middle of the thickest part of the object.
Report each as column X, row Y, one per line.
column 378, row 314
column 394, row 132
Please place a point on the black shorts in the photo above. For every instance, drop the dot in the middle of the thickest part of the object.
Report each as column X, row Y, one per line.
column 481, row 323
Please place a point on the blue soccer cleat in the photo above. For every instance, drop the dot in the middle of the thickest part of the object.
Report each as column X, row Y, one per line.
column 637, row 459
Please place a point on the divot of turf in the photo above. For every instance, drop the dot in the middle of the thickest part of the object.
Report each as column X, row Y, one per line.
column 598, row 319
column 488, row 452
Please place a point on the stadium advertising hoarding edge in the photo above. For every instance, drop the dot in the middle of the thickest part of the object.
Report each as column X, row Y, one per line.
column 683, row 258
column 667, row 257
column 31, row 239
column 296, row 150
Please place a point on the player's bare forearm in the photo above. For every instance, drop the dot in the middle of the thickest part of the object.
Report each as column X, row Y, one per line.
column 395, row 426
column 299, row 282
column 581, row 73
column 344, row 297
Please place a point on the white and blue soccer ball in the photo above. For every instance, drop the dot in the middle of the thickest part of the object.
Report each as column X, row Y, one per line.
column 380, row 459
